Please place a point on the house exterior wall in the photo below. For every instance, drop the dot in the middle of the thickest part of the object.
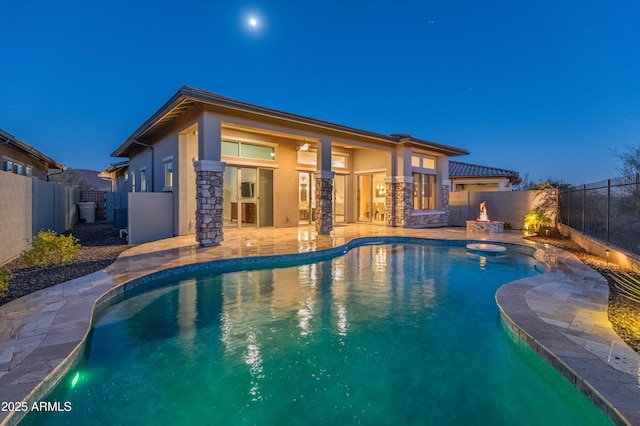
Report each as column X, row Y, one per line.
column 480, row 184
column 39, row 169
column 189, row 140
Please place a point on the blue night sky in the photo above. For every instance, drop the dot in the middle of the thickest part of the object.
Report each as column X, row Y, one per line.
column 548, row 88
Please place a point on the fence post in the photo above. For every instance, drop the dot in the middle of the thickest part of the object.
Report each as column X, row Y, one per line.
column 584, row 200
column 608, row 207
column 569, row 208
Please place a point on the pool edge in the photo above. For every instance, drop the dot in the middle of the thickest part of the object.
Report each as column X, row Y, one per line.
column 56, row 375
column 582, row 369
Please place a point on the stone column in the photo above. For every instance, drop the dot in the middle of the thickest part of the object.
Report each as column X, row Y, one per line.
column 444, row 206
column 403, row 200
column 324, row 202
column 209, row 219
column 389, row 202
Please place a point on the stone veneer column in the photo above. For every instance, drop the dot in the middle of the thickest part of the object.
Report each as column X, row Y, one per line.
column 209, row 219
column 389, row 204
column 324, row 202
column 402, row 189
column 446, row 188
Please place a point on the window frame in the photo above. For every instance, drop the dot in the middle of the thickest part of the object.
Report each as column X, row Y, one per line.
column 168, row 173
column 143, row 180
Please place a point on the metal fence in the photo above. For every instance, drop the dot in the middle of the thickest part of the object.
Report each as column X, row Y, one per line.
column 608, row 210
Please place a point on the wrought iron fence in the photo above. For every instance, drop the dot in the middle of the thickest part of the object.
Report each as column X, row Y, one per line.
column 607, row 210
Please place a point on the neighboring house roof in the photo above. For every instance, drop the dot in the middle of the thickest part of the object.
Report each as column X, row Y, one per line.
column 114, row 168
column 188, row 97
column 6, row 138
column 466, row 170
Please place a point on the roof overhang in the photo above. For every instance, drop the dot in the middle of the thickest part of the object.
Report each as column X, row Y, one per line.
column 114, row 168
column 188, row 98
column 6, row 138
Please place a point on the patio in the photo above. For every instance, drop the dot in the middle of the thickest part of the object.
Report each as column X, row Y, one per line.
column 562, row 314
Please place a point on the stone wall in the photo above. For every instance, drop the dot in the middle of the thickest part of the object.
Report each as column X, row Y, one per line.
column 421, row 218
column 324, row 205
column 209, row 218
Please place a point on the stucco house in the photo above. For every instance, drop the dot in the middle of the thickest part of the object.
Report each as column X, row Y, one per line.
column 472, row 177
column 22, row 159
column 231, row 164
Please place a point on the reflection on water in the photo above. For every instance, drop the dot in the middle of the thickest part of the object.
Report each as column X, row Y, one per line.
column 295, row 345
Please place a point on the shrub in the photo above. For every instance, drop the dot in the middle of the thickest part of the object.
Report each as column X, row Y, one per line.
column 536, row 218
column 50, row 248
column 5, row 277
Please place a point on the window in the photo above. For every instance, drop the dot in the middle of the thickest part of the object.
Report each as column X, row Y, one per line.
column 7, row 165
column 133, row 181
column 28, row 171
column 247, row 150
column 307, row 157
column 424, row 191
column 339, row 161
column 12, row 166
column 168, row 174
column 231, row 148
column 143, row 180
column 310, row 158
column 423, row 162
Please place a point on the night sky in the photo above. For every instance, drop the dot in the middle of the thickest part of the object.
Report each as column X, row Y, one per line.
column 548, row 88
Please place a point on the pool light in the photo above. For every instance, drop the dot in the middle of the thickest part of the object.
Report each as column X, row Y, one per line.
column 75, row 379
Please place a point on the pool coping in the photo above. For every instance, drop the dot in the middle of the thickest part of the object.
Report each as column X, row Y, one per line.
column 511, row 299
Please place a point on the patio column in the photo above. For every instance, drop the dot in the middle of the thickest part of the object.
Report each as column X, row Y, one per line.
column 209, row 179
column 209, row 220
column 389, row 201
column 403, row 200
column 324, row 188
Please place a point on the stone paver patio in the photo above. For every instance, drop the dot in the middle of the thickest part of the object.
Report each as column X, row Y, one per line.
column 561, row 314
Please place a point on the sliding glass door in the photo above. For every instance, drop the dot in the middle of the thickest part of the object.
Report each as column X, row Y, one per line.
column 371, row 198
column 247, row 197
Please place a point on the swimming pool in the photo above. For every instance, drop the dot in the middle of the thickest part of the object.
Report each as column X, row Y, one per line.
column 385, row 334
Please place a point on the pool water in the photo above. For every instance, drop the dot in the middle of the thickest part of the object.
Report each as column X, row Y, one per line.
column 386, row 334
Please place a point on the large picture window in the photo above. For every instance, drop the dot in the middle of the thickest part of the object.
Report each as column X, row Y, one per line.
column 424, row 191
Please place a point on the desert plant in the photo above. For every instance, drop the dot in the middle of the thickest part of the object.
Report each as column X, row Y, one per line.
column 5, row 277
column 536, row 218
column 49, row 248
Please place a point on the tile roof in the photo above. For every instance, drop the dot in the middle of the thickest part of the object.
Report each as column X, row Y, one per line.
column 458, row 169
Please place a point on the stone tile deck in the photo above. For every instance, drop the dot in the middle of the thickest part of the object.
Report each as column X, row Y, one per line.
column 560, row 314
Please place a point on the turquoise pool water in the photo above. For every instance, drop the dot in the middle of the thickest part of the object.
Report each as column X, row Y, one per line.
column 385, row 334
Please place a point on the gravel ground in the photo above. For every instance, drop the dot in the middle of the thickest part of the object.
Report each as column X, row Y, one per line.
column 623, row 313
column 100, row 247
